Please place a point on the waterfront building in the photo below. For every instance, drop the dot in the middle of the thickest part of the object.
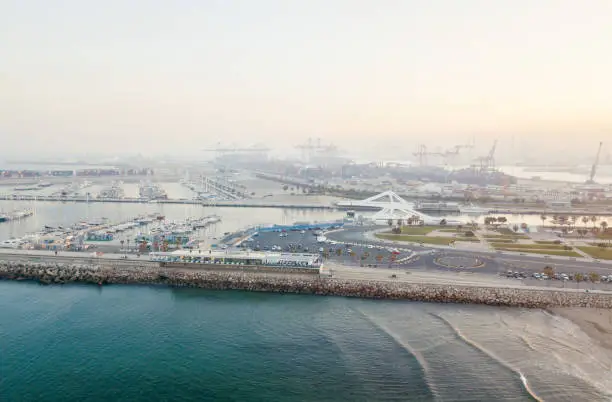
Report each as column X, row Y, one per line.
column 224, row 257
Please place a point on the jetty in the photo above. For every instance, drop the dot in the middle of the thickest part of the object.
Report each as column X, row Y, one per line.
column 246, row 203
column 116, row 270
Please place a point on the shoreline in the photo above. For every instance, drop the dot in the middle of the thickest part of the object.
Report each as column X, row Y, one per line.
column 596, row 323
column 281, row 282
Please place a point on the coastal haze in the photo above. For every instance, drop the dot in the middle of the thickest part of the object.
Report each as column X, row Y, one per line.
column 452, row 155
column 156, row 78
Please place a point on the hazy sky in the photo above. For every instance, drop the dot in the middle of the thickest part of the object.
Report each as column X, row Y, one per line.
column 156, row 75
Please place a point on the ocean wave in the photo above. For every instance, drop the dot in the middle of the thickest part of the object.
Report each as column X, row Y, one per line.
column 407, row 347
column 477, row 346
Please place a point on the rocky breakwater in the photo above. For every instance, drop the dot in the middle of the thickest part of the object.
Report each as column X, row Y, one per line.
column 57, row 273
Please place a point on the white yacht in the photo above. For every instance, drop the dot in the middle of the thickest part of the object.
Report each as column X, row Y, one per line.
column 471, row 209
column 12, row 243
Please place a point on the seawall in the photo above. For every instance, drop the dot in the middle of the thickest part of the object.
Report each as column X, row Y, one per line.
column 59, row 273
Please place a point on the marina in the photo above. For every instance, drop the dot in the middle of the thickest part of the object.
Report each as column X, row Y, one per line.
column 144, row 233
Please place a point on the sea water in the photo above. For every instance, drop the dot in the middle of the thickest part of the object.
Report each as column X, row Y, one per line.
column 146, row 343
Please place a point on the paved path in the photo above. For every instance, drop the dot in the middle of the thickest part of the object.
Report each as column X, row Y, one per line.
column 441, row 278
column 518, row 260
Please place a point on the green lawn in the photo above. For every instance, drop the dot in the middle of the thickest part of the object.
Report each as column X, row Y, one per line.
column 416, row 239
column 545, row 242
column 530, row 246
column 566, row 253
column 507, row 241
column 597, row 252
column 418, row 230
column 493, row 237
column 468, row 239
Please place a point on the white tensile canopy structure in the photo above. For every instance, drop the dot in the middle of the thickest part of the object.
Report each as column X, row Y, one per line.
column 394, row 207
column 388, row 197
column 375, row 202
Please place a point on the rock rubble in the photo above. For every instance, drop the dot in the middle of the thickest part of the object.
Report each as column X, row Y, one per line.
column 60, row 273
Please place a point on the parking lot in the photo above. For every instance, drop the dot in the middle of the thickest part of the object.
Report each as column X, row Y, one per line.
column 310, row 242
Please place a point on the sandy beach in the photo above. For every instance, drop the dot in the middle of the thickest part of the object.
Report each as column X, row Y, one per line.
column 597, row 323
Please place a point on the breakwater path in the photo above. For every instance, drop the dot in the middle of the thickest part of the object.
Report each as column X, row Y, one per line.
column 281, row 281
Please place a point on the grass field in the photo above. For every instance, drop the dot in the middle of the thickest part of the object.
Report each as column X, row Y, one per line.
column 509, row 233
column 545, row 242
column 493, row 237
column 416, row 239
column 597, row 252
column 496, row 240
column 566, row 253
column 418, row 230
column 468, row 239
column 529, row 246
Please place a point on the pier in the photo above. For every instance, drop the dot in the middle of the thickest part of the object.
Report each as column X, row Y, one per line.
column 251, row 203
column 223, row 187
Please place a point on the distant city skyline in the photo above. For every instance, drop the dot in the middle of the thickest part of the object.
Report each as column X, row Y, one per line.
column 156, row 77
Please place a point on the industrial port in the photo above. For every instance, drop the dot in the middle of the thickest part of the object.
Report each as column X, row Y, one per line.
column 374, row 214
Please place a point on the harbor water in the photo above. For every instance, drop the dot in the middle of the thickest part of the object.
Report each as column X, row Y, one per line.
column 139, row 343
column 65, row 214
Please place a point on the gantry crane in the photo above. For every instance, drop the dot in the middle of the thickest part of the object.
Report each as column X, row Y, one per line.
column 595, row 165
column 313, row 147
column 422, row 153
column 487, row 163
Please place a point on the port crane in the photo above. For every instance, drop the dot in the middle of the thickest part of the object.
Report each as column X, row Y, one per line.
column 455, row 150
column 595, row 165
column 487, row 163
column 313, row 146
column 422, row 153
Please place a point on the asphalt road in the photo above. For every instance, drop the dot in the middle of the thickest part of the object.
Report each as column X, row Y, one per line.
column 494, row 262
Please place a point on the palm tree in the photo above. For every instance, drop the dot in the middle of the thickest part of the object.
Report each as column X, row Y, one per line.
column 390, row 222
column 603, row 225
column 549, row 271
column 515, row 228
column 594, row 219
column 543, row 218
column 585, row 220
column 578, row 277
column 400, row 222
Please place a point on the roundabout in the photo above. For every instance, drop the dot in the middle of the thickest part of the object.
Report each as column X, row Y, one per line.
column 460, row 261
